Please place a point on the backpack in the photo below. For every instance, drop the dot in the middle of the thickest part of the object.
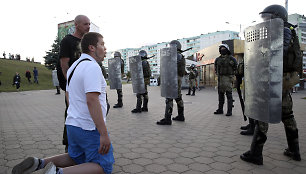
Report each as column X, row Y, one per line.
column 294, row 58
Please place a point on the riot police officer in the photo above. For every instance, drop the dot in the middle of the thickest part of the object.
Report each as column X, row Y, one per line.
column 192, row 80
column 225, row 67
column 181, row 62
column 119, row 103
column 146, row 74
column 292, row 64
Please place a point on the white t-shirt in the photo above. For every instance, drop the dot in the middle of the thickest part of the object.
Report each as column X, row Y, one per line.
column 87, row 77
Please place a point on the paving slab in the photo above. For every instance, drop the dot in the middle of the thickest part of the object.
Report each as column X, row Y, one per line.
column 31, row 124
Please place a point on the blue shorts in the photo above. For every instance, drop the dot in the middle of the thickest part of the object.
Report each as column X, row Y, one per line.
column 84, row 145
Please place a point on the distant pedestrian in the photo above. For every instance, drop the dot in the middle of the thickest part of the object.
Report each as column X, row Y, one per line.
column 16, row 81
column 4, row 55
column 55, row 81
column 35, row 72
column 28, row 75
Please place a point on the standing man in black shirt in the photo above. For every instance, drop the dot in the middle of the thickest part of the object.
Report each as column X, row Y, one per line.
column 70, row 51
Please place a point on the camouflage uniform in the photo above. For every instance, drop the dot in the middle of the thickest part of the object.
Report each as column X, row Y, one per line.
column 179, row 101
column 225, row 67
column 147, row 75
column 292, row 63
column 192, row 81
column 119, row 91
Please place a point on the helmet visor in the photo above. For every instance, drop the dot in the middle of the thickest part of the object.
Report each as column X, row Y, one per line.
column 267, row 16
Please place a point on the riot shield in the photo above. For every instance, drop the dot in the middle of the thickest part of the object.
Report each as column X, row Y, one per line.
column 137, row 74
column 263, row 70
column 114, row 73
column 168, row 72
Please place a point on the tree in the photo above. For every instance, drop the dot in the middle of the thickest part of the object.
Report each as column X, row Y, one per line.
column 51, row 59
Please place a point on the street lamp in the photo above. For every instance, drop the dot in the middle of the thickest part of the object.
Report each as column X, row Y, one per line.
column 239, row 26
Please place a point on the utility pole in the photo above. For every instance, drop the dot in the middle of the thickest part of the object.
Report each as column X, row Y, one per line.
column 286, row 5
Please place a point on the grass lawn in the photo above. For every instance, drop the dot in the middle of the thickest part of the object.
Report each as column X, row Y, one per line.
column 8, row 68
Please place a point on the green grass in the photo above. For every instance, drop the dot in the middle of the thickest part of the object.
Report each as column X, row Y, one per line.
column 8, row 68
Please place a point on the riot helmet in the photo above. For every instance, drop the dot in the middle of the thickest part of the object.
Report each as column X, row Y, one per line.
column 143, row 54
column 224, row 51
column 117, row 54
column 178, row 44
column 274, row 11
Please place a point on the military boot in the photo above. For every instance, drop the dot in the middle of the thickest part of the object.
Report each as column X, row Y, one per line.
column 165, row 121
column 229, row 103
column 138, row 105
column 219, row 111
column 189, row 90
column 145, row 104
column 250, row 129
column 245, row 127
column 254, row 155
column 293, row 150
column 119, row 104
column 180, row 116
column 193, row 91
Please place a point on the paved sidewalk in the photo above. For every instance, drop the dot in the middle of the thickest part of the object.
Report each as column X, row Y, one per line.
column 31, row 124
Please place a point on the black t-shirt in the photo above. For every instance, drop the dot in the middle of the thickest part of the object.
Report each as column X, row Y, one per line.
column 69, row 47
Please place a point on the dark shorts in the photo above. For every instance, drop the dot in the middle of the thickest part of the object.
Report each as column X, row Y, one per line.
column 84, row 145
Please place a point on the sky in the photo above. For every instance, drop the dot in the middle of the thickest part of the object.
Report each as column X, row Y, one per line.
column 29, row 27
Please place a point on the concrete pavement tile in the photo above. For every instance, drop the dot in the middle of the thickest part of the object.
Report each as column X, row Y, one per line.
column 178, row 167
column 155, row 168
column 150, row 155
column 189, row 154
column 242, row 165
column 12, row 157
column 200, row 167
column 221, row 166
column 224, row 153
column 169, row 172
column 216, row 172
column 261, row 171
column 299, row 169
column 170, row 155
column 4, row 170
column 123, row 161
column 158, row 150
column 132, row 168
column 192, row 172
column 238, row 171
column 131, row 155
column 142, row 161
column 183, row 160
column 212, row 138
column 140, row 150
column 164, row 161
column 223, row 159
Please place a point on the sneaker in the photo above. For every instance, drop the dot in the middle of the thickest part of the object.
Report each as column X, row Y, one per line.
column 294, row 156
column 248, row 157
column 50, row 168
column 136, row 111
column 164, row 122
column 179, row 118
column 28, row 165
